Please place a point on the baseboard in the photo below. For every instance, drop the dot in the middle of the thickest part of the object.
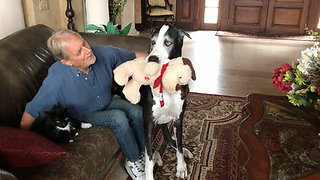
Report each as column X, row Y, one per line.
column 179, row 25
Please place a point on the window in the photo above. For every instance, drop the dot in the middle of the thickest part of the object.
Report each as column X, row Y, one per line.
column 211, row 11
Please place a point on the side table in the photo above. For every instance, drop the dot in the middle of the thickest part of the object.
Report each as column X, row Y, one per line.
column 279, row 140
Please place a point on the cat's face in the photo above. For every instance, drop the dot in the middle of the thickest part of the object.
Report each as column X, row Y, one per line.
column 59, row 116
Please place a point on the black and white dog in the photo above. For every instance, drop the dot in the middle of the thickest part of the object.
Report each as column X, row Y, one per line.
column 166, row 44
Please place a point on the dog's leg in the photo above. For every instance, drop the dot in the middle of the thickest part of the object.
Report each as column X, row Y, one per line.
column 166, row 135
column 147, row 102
column 182, row 170
column 149, row 125
column 186, row 152
column 181, row 164
column 157, row 158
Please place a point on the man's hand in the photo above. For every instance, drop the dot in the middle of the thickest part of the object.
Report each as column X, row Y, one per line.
column 141, row 54
column 26, row 121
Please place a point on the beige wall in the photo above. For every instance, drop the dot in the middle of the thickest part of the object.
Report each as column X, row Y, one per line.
column 54, row 16
column 11, row 17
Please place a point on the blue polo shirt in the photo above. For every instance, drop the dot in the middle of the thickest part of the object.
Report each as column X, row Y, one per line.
column 65, row 86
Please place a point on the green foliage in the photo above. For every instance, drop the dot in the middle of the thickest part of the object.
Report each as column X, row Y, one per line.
column 302, row 97
column 289, row 76
column 294, row 99
column 300, row 80
column 109, row 28
column 118, row 8
column 95, row 28
column 126, row 29
column 315, row 35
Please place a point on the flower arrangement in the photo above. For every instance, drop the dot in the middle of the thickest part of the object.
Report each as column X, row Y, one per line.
column 301, row 80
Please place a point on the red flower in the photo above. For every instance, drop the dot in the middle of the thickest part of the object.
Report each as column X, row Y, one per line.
column 277, row 78
column 286, row 66
column 318, row 89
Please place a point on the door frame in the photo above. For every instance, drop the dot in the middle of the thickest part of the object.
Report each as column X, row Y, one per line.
column 224, row 11
column 262, row 18
column 314, row 15
column 304, row 9
column 207, row 26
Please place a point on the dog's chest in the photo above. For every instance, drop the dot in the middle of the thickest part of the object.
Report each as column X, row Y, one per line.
column 171, row 109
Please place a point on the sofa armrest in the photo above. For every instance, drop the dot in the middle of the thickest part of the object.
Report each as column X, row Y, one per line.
column 5, row 175
column 131, row 43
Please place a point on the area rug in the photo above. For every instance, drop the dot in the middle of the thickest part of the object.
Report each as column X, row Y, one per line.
column 210, row 133
column 265, row 36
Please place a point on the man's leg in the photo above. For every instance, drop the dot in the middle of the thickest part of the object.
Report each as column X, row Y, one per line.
column 119, row 123
column 134, row 114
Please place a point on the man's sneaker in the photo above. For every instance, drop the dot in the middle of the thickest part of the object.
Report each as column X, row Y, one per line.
column 135, row 169
column 141, row 161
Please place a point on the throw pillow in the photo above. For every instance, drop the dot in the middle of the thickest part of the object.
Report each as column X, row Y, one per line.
column 21, row 148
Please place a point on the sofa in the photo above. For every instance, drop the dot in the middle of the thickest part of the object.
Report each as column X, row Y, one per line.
column 24, row 61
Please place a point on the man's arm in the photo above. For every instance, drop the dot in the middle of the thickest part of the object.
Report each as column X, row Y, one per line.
column 26, row 121
column 140, row 54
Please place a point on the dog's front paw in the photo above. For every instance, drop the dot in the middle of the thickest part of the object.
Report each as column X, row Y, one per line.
column 182, row 171
column 86, row 125
column 157, row 158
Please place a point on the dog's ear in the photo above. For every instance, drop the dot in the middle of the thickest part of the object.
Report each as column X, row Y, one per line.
column 153, row 30
column 183, row 33
column 187, row 61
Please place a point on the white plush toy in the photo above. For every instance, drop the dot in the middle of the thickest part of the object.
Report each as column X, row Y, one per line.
column 177, row 72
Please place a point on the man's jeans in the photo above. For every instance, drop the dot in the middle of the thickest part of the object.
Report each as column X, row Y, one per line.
column 126, row 121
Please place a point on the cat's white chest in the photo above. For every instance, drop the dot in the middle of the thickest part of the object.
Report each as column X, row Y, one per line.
column 66, row 128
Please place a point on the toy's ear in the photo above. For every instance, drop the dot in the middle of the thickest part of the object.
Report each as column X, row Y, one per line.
column 186, row 61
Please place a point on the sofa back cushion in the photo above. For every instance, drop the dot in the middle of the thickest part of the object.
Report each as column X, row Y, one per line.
column 131, row 43
column 24, row 62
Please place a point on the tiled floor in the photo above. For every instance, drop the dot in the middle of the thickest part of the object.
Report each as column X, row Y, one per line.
column 234, row 66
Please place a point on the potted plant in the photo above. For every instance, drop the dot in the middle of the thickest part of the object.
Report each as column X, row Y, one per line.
column 110, row 28
column 116, row 9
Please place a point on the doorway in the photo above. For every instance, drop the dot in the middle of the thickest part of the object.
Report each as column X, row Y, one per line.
column 209, row 14
column 268, row 16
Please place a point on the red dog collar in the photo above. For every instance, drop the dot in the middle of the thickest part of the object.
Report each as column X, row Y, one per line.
column 158, row 82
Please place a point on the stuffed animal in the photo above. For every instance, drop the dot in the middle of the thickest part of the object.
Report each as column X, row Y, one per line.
column 177, row 72
column 142, row 73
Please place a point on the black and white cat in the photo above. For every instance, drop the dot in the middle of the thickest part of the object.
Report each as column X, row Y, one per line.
column 58, row 126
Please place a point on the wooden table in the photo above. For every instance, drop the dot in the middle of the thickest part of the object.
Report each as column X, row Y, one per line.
column 278, row 140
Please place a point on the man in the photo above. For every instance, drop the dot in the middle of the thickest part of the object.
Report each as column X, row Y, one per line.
column 82, row 80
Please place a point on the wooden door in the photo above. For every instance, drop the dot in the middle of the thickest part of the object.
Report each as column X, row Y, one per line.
column 287, row 16
column 185, row 14
column 248, row 15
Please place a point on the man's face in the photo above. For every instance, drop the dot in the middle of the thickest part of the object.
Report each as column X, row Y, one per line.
column 80, row 54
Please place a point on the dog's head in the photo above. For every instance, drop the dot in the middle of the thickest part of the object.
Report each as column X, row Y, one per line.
column 166, row 44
